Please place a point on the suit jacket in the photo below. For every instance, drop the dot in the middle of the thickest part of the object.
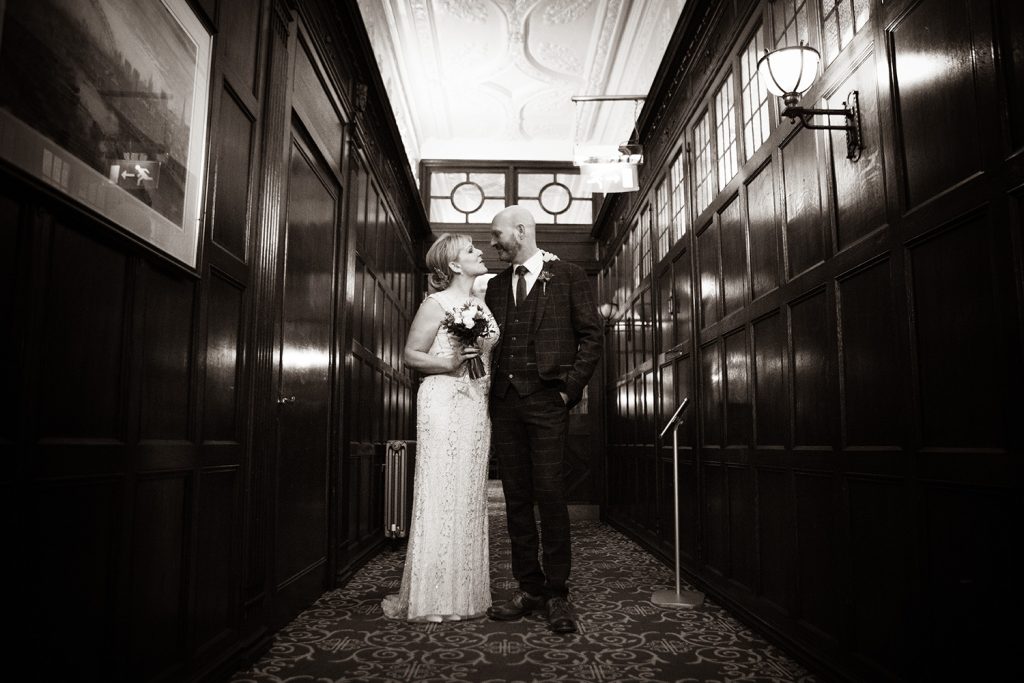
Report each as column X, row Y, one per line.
column 566, row 331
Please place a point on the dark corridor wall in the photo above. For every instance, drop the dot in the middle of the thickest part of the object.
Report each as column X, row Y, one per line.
column 849, row 333
column 164, row 510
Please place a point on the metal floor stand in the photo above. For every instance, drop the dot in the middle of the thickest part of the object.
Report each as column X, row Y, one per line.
column 677, row 597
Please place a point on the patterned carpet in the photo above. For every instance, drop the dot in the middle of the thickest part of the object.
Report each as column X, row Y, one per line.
column 622, row 636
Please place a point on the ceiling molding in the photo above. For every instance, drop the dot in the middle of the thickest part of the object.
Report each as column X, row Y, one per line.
column 492, row 79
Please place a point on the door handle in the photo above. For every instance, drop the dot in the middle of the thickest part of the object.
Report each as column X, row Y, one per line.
column 285, row 399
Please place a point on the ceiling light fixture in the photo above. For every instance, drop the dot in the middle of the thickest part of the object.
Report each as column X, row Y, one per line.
column 609, row 168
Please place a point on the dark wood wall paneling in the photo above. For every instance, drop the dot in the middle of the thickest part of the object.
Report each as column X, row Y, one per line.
column 385, row 219
column 851, row 335
column 139, row 415
column 381, row 390
column 134, row 432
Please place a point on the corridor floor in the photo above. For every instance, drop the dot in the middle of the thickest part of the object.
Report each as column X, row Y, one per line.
column 622, row 636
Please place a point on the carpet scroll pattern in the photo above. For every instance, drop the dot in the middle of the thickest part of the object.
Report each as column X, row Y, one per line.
column 622, row 636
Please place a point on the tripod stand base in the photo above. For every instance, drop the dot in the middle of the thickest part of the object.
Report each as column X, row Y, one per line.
column 671, row 598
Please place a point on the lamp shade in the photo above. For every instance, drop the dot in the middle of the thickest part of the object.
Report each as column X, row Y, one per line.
column 608, row 310
column 789, row 71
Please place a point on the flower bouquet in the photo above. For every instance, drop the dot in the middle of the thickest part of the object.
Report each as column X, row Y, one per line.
column 468, row 324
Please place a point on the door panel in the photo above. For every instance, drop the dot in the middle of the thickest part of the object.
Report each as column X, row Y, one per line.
column 305, row 371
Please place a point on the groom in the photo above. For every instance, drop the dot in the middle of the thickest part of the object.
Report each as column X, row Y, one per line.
column 549, row 347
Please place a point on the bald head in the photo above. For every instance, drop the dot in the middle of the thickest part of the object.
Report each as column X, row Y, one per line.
column 516, row 215
column 514, row 234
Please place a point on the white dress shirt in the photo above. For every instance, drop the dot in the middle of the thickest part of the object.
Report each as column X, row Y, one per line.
column 534, row 265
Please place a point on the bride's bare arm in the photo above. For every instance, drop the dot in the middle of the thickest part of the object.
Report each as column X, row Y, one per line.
column 421, row 337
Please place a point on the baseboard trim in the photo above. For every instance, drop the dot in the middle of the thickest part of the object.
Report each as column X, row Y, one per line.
column 235, row 660
column 345, row 574
column 582, row 512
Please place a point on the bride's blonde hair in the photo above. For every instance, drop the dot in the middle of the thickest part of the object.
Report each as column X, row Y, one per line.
column 439, row 257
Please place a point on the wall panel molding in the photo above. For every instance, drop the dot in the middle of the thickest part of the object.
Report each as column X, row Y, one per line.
column 142, row 427
column 867, row 316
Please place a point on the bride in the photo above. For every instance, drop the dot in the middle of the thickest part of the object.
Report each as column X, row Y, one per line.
column 446, row 562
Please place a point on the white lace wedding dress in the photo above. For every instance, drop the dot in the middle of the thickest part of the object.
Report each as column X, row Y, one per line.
column 446, row 573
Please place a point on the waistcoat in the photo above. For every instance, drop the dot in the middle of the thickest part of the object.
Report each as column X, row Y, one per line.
column 516, row 364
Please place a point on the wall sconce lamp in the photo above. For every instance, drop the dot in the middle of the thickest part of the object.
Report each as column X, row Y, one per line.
column 790, row 71
column 608, row 311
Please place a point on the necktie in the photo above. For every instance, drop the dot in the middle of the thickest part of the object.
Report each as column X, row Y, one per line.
column 521, row 271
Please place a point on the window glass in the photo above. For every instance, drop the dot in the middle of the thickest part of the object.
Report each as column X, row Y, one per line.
column 558, row 198
column 725, row 132
column 442, row 211
column 645, row 242
column 555, row 198
column 678, row 197
column 581, row 211
column 790, row 21
column 442, row 184
column 465, row 196
column 841, row 19
column 492, row 184
column 754, row 99
column 634, row 248
column 663, row 219
column 487, row 211
column 704, row 169
column 530, row 184
column 574, row 181
column 539, row 214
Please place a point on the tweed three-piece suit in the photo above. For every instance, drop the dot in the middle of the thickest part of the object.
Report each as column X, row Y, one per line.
column 550, row 343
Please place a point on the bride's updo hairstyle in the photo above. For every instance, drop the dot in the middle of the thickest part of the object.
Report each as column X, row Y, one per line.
column 439, row 257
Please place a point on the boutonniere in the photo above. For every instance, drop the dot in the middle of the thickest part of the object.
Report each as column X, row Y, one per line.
column 543, row 278
column 548, row 256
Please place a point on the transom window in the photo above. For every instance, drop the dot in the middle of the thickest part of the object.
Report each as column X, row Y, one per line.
column 634, row 248
column 753, row 98
column 663, row 217
column 474, row 193
column 640, row 246
column 704, row 170
column 558, row 198
column 678, row 197
column 645, row 242
column 725, row 132
column 790, row 22
column 840, row 20
column 466, row 197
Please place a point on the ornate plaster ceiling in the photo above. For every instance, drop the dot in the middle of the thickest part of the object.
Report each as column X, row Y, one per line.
column 492, row 79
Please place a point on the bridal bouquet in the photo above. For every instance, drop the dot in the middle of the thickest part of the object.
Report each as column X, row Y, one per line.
column 468, row 324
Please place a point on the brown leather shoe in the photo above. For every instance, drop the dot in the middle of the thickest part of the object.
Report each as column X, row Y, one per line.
column 560, row 616
column 521, row 604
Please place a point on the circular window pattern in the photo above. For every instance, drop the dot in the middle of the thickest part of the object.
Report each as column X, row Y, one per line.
column 555, row 198
column 467, row 197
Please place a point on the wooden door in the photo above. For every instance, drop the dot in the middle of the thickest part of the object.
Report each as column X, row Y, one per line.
column 304, row 382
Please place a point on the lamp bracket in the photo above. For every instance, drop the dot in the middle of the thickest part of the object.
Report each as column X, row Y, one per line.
column 850, row 111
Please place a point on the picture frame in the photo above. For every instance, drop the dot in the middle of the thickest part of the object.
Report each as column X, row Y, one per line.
column 114, row 113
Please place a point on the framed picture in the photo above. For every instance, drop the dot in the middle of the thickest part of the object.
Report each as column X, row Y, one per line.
column 106, row 101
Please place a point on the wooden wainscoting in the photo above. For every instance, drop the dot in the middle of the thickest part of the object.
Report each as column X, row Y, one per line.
column 849, row 332
column 165, row 511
